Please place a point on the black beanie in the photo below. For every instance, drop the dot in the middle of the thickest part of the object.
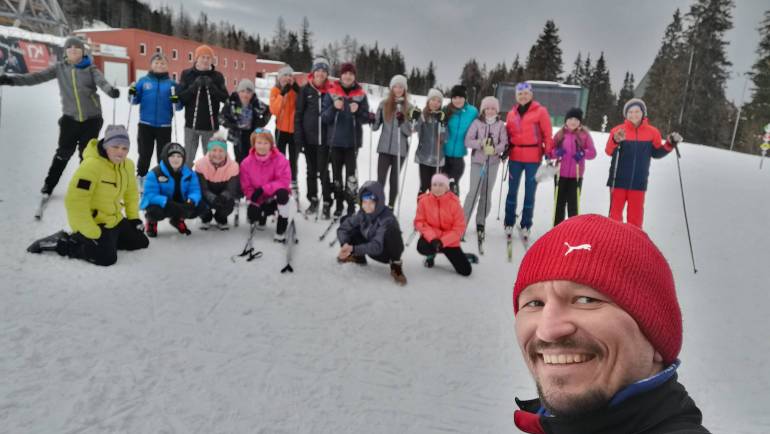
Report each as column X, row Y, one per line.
column 459, row 90
column 574, row 113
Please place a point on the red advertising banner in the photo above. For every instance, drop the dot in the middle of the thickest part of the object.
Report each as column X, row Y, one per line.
column 35, row 55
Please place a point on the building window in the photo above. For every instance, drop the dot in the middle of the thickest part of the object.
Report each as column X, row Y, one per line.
column 243, row 66
column 224, row 62
column 159, row 49
column 173, row 76
column 174, row 54
column 216, row 60
column 189, row 56
column 235, row 82
column 143, row 49
column 235, row 63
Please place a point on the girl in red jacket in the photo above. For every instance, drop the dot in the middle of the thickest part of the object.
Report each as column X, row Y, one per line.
column 441, row 223
column 529, row 134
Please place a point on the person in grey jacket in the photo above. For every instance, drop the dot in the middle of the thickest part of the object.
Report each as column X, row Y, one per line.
column 373, row 231
column 394, row 116
column 81, row 118
column 431, row 133
column 487, row 139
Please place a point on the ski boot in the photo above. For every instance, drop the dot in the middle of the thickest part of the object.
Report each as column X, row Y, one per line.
column 326, row 211
column 312, row 209
column 205, row 225
column 280, row 230
column 50, row 243
column 397, row 273
column 151, row 228
column 524, row 233
column 180, row 226
column 429, row 261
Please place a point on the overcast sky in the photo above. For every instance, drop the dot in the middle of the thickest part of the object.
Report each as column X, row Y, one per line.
column 449, row 32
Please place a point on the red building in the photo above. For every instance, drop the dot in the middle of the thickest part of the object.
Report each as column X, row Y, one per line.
column 134, row 48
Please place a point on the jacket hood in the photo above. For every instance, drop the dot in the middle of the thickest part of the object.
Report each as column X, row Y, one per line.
column 168, row 148
column 375, row 188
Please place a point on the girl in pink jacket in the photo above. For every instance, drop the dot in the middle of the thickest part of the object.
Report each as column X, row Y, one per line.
column 572, row 146
column 266, row 183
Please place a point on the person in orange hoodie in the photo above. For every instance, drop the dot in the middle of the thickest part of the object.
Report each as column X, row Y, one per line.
column 441, row 222
column 530, row 137
column 283, row 102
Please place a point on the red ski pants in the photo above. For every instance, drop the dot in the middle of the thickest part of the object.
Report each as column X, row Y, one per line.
column 635, row 199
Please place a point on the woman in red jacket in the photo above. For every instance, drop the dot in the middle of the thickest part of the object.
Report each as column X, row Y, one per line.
column 530, row 135
column 441, row 223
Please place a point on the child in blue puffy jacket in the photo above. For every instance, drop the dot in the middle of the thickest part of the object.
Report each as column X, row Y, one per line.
column 153, row 93
column 171, row 190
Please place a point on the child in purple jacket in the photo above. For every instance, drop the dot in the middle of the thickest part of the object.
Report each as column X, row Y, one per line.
column 572, row 146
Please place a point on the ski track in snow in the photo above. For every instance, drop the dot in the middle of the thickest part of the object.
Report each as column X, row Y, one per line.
column 178, row 339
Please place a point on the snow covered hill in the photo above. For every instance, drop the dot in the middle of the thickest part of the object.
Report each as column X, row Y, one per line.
column 179, row 339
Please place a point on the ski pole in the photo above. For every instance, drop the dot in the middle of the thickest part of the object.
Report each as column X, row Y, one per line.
column 211, row 113
column 556, row 195
column 502, row 185
column 114, row 106
column 173, row 109
column 475, row 194
column 397, row 128
column 684, row 208
column 370, row 151
column 2, row 71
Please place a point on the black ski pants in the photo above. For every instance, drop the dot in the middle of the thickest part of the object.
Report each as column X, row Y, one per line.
column 455, row 255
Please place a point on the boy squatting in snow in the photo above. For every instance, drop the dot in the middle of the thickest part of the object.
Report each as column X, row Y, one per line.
column 100, row 190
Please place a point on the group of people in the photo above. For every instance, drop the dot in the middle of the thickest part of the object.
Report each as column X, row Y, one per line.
column 323, row 119
column 602, row 360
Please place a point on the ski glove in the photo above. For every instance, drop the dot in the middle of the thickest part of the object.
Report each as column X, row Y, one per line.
column 400, row 117
column 437, row 245
column 285, row 89
column 619, row 136
column 415, row 115
column 132, row 90
column 559, row 152
column 579, row 155
column 4, row 79
column 202, row 81
column 137, row 224
column 371, row 117
column 257, row 194
column 489, row 149
column 114, row 93
column 174, row 99
column 674, row 138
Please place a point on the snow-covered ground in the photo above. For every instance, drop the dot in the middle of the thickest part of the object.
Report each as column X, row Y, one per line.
column 178, row 339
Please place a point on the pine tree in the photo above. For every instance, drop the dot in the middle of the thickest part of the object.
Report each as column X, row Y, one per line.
column 576, row 76
column 472, row 79
column 666, row 77
column 430, row 77
column 625, row 94
column 305, row 60
column 280, row 38
column 544, row 61
column 756, row 113
column 601, row 100
column 706, row 110
column 516, row 74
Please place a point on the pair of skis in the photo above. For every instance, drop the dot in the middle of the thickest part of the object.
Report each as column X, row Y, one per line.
column 509, row 244
column 250, row 253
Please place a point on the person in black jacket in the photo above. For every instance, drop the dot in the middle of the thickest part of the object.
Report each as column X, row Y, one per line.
column 600, row 328
column 201, row 90
column 310, row 135
column 242, row 113
column 373, row 231
column 345, row 110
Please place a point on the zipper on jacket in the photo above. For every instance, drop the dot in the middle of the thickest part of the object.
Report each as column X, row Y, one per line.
column 157, row 102
column 77, row 96
column 320, row 111
column 633, row 159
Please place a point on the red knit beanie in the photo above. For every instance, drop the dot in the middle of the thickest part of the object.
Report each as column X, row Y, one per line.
column 348, row 67
column 618, row 260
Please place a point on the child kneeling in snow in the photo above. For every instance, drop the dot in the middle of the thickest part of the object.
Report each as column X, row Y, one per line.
column 100, row 189
column 171, row 190
column 441, row 223
column 220, row 184
column 266, row 183
column 372, row 231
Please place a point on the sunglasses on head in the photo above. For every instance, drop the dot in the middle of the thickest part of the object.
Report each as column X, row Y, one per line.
column 262, row 130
